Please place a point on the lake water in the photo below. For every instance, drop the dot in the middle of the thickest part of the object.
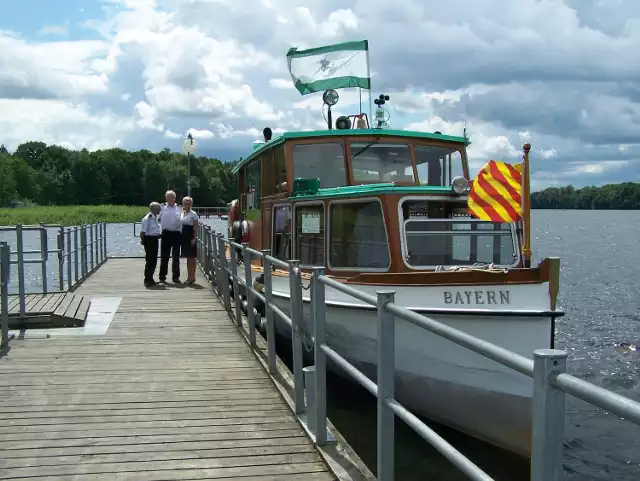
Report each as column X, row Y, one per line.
column 599, row 293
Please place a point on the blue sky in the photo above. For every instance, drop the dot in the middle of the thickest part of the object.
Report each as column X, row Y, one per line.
column 561, row 74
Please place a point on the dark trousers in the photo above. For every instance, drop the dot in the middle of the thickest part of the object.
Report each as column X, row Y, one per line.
column 170, row 247
column 150, row 256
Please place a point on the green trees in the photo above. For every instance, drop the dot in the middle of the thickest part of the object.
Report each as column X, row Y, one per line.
column 625, row 196
column 54, row 175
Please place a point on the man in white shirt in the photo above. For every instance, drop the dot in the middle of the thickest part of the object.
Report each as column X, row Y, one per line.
column 149, row 236
column 171, row 238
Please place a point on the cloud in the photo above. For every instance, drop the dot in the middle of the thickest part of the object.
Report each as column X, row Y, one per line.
column 561, row 74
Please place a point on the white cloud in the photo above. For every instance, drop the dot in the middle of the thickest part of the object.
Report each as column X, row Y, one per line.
column 560, row 74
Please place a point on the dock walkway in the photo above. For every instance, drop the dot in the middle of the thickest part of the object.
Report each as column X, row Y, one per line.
column 170, row 392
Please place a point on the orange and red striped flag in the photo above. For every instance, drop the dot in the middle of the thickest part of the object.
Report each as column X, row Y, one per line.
column 496, row 193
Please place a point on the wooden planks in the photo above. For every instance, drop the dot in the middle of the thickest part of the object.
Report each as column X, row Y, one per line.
column 171, row 392
column 58, row 309
column 35, row 304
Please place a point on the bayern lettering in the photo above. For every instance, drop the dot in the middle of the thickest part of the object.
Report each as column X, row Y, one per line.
column 477, row 297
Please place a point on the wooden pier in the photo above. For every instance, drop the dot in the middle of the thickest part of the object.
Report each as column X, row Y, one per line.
column 171, row 392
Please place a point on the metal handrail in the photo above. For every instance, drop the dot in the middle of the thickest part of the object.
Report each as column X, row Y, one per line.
column 80, row 250
column 547, row 369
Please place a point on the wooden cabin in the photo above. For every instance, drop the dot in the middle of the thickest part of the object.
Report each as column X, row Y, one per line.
column 308, row 195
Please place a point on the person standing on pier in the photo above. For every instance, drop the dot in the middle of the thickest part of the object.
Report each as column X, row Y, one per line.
column 171, row 238
column 189, row 221
column 149, row 236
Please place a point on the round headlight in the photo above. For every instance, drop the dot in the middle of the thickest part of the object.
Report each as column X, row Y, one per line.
column 459, row 185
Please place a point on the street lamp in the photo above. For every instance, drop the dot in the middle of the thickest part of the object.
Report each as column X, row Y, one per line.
column 189, row 147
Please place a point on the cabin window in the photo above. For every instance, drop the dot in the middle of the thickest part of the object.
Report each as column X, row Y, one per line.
column 282, row 232
column 438, row 234
column 252, row 189
column 358, row 237
column 275, row 172
column 376, row 162
column 323, row 161
column 310, row 234
column 437, row 166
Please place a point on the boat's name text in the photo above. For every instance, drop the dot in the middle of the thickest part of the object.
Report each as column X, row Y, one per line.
column 477, row 297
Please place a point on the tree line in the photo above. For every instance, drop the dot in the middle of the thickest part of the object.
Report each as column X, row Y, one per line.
column 52, row 175
column 624, row 196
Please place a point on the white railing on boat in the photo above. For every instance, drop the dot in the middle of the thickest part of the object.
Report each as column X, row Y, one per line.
column 547, row 368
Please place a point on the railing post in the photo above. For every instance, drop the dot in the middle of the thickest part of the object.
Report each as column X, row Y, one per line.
column 91, row 238
column 547, row 437
column 68, row 248
column 104, row 240
column 320, row 378
column 271, row 324
column 224, row 275
column 297, row 313
column 234, row 281
column 248, row 279
column 83, row 251
column 44, row 256
column 76, row 253
column 5, row 257
column 21, row 291
column 60, row 247
column 386, row 374
column 310, row 387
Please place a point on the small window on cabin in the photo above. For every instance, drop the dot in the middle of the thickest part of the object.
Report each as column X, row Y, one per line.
column 252, row 187
column 375, row 162
column 323, row 161
column 275, row 172
column 358, row 238
column 310, row 234
column 282, row 232
column 437, row 166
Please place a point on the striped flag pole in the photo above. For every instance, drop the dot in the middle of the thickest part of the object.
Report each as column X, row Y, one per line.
column 526, row 207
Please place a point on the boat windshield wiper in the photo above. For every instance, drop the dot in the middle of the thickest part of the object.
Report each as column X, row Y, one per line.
column 364, row 148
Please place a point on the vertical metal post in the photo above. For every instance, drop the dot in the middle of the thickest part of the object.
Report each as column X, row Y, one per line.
column 189, row 174
column 236, row 287
column 297, row 313
column 83, row 251
column 310, row 385
column 75, row 253
column 5, row 257
column 386, row 374
column 547, row 437
column 44, row 256
column 248, row 279
column 224, row 274
column 68, row 248
column 91, row 243
column 20, row 249
column 318, row 309
column 271, row 322
column 104, row 241
column 60, row 247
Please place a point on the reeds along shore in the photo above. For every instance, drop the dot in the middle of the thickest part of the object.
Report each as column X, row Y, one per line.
column 72, row 214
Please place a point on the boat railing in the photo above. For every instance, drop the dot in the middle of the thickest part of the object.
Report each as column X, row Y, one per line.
column 547, row 368
column 79, row 251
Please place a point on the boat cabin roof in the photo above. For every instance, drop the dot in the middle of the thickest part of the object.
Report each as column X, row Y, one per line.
column 344, row 133
column 371, row 189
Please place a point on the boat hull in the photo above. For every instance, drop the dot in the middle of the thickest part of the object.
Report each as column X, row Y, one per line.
column 436, row 378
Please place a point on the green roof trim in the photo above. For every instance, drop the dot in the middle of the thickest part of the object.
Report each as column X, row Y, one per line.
column 351, row 132
column 373, row 189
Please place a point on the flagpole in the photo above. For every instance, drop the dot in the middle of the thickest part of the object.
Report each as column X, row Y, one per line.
column 526, row 207
column 369, row 76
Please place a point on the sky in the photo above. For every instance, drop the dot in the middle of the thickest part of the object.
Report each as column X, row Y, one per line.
column 563, row 75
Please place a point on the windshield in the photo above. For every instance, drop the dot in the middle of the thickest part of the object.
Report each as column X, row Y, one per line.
column 377, row 162
column 438, row 235
column 437, row 166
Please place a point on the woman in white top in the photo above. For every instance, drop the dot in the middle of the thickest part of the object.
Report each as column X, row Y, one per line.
column 189, row 221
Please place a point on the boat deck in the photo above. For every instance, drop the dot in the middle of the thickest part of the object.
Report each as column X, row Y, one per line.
column 170, row 392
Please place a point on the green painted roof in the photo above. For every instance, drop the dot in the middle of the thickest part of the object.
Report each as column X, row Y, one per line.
column 374, row 189
column 351, row 132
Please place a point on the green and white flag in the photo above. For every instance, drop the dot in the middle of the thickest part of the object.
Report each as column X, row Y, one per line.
column 332, row 67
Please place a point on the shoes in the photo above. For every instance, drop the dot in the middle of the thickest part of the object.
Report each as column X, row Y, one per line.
column 150, row 283
column 192, row 281
column 176, row 281
column 163, row 281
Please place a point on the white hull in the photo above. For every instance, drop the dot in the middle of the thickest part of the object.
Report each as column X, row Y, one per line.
column 435, row 377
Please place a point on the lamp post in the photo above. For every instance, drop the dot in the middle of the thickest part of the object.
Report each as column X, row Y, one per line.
column 189, row 147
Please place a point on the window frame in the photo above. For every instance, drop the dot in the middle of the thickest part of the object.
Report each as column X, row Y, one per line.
column 438, row 198
column 294, row 228
column 273, row 228
column 359, row 200
column 380, row 140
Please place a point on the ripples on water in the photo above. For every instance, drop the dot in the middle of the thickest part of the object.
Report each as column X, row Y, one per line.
column 599, row 293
